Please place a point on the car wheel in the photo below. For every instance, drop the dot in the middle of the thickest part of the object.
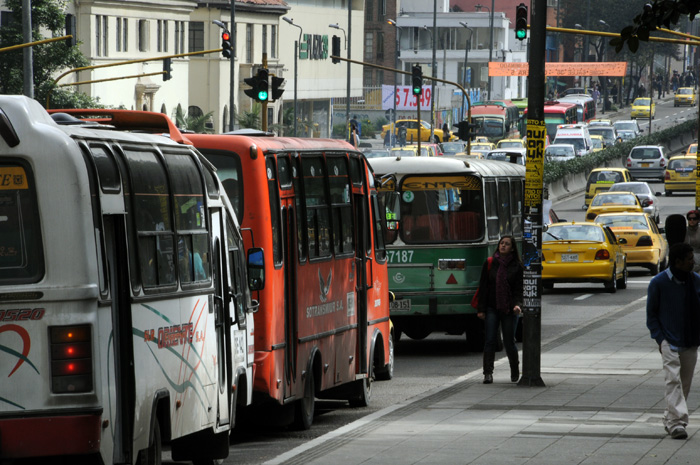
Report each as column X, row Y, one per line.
column 622, row 282
column 436, row 139
column 611, row 285
column 654, row 269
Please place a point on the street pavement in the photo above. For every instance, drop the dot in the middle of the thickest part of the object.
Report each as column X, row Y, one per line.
column 601, row 403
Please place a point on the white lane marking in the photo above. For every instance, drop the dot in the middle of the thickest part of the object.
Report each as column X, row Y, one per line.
column 583, row 297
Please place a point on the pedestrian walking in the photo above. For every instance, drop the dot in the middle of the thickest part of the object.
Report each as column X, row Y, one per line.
column 673, row 318
column 354, row 137
column 446, row 132
column 692, row 235
column 500, row 297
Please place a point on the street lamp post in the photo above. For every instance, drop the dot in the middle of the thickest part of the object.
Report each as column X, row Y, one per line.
column 478, row 7
column 467, row 46
column 605, row 79
column 345, row 38
column 396, row 76
column 296, row 75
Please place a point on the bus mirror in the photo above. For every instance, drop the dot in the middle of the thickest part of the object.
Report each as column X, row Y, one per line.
column 392, row 296
column 256, row 269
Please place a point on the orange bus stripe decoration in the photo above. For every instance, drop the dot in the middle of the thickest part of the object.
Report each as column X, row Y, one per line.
column 611, row 68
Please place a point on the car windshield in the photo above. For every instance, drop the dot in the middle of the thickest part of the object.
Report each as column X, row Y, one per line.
column 578, row 144
column 634, row 188
column 605, row 176
column 597, row 143
column 404, row 153
column 510, row 144
column 607, row 133
column 626, row 126
column 559, row 151
column 682, row 165
column 452, row 147
column 639, row 153
column 574, row 232
column 425, row 125
column 641, row 102
column 613, row 199
column 685, row 91
column 620, row 222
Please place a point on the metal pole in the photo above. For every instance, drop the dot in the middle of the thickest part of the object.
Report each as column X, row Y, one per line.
column 296, row 79
column 347, row 103
column 232, row 63
column 433, row 66
column 396, row 77
column 488, row 82
column 27, row 54
column 464, row 76
column 586, row 44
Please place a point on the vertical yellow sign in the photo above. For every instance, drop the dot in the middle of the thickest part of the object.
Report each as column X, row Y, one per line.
column 534, row 166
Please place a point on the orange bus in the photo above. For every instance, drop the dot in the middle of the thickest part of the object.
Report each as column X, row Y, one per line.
column 556, row 113
column 322, row 328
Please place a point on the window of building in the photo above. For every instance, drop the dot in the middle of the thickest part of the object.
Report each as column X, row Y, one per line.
column 273, row 41
column 143, row 35
column 122, row 35
column 162, row 33
column 165, row 36
column 380, row 45
column 196, row 37
column 369, row 10
column 264, row 38
column 159, row 35
column 381, row 7
column 249, row 43
column 5, row 18
column 125, row 34
column 101, row 32
column 179, row 37
column 118, row 42
column 369, row 45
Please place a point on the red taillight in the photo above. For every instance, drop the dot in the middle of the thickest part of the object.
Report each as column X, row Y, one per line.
column 71, row 359
column 645, row 241
column 667, row 176
column 662, row 163
column 602, row 255
column 629, row 162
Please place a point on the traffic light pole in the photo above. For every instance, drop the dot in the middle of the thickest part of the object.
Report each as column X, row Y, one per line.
column 532, row 205
column 386, row 68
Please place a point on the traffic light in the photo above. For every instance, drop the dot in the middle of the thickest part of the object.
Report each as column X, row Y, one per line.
column 466, row 130
column 226, row 44
column 70, row 30
column 521, row 22
column 335, row 49
column 167, row 69
column 259, row 85
column 276, row 82
column 417, row 80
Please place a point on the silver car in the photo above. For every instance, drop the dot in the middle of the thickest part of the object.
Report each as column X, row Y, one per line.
column 628, row 125
column 559, row 152
column 645, row 194
column 648, row 161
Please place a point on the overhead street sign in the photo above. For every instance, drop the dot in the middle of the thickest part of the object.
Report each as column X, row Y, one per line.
column 611, row 68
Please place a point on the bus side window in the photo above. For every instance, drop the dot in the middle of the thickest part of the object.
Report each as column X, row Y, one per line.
column 341, row 205
column 190, row 218
column 151, row 206
column 506, row 226
column 491, row 195
column 302, row 244
column 317, row 216
column 379, row 247
column 516, row 205
column 235, row 264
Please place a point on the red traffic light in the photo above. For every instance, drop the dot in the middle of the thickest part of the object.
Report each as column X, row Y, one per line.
column 225, row 36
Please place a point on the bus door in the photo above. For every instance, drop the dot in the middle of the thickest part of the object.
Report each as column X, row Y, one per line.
column 222, row 317
column 363, row 261
column 283, row 219
column 114, row 290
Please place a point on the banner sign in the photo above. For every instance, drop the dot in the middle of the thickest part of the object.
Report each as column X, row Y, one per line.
column 612, row 68
column 405, row 100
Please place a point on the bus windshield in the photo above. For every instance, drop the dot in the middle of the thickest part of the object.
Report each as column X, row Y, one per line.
column 435, row 210
column 551, row 121
column 490, row 127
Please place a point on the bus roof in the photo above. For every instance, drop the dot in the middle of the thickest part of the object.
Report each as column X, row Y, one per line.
column 451, row 165
column 269, row 144
column 488, row 109
column 556, row 106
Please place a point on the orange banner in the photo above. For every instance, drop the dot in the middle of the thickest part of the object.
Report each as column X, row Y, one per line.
column 611, row 68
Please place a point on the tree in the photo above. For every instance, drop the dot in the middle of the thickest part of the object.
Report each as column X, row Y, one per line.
column 197, row 124
column 659, row 13
column 251, row 119
column 48, row 59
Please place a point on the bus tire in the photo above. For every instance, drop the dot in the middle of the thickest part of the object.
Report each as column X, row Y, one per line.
column 417, row 333
column 386, row 372
column 304, row 408
column 152, row 455
column 362, row 392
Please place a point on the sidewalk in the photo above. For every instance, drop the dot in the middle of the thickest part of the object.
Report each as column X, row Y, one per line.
column 602, row 404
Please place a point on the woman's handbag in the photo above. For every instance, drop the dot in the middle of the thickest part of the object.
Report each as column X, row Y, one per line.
column 475, row 299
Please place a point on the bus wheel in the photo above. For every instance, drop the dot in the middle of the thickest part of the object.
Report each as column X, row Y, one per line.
column 363, row 392
column 304, row 409
column 152, row 455
column 416, row 332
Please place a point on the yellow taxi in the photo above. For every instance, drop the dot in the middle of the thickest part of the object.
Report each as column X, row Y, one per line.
column 481, row 139
column 645, row 245
column 680, row 174
column 598, row 143
column 640, row 108
column 411, row 151
column 685, row 96
column 510, row 144
column 600, row 180
column 583, row 252
column 481, row 148
column 612, row 202
column 413, row 127
column 692, row 149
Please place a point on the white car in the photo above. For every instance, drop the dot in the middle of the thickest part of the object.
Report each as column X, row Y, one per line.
column 560, row 152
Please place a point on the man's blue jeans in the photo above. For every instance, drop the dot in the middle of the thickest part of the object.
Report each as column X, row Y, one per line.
column 508, row 324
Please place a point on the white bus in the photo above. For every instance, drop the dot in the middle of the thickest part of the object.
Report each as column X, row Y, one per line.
column 125, row 308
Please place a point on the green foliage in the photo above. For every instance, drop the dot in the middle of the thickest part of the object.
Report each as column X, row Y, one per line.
column 379, row 122
column 48, row 59
column 192, row 123
column 251, row 119
column 340, row 131
column 554, row 171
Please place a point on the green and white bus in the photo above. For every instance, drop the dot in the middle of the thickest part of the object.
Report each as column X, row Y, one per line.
column 444, row 217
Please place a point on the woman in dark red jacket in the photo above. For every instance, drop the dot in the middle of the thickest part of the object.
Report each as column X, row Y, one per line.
column 500, row 298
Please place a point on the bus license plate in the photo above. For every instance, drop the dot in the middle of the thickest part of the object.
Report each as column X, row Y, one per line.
column 402, row 305
column 569, row 257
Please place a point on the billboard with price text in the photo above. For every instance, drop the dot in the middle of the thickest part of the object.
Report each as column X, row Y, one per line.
column 405, row 100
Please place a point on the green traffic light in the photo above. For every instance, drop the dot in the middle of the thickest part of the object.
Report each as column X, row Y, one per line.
column 262, row 95
column 520, row 34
